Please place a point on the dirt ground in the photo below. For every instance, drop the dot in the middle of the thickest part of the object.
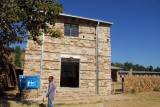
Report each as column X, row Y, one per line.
column 142, row 99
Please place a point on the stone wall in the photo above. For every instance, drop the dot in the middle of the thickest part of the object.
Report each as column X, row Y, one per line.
column 145, row 74
column 141, row 84
column 82, row 47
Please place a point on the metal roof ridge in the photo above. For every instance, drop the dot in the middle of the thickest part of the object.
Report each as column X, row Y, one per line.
column 85, row 18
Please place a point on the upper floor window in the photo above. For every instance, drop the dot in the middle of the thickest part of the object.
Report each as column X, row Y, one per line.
column 71, row 30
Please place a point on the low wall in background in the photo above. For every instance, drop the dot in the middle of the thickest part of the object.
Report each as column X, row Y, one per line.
column 139, row 84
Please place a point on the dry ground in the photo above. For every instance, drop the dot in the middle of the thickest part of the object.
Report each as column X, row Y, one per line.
column 142, row 99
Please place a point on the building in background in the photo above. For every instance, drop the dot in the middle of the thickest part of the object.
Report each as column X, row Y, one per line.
column 117, row 74
column 114, row 73
column 122, row 74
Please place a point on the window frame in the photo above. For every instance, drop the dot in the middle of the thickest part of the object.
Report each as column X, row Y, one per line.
column 70, row 30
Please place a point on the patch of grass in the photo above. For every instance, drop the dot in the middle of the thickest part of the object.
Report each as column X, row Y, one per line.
column 99, row 101
column 105, row 101
column 117, row 93
column 127, row 92
column 133, row 91
column 68, row 105
column 156, row 89
column 60, row 104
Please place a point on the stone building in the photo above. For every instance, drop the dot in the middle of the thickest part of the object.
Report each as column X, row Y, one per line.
column 72, row 58
column 114, row 73
column 117, row 74
column 122, row 74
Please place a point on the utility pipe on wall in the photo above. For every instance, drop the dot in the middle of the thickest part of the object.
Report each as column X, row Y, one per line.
column 41, row 64
column 97, row 58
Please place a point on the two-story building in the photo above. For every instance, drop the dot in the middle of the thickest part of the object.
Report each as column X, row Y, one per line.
column 80, row 61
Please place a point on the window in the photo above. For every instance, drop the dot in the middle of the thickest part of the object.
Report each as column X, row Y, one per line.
column 71, row 30
column 69, row 72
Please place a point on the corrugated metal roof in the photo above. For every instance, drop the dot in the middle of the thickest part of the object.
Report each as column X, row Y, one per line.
column 112, row 67
column 79, row 17
column 140, row 72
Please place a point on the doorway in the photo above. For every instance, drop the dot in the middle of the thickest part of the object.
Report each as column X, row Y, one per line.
column 69, row 72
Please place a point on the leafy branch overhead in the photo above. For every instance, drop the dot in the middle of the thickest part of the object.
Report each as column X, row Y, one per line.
column 20, row 16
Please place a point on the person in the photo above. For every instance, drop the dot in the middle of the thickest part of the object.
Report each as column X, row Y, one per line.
column 51, row 91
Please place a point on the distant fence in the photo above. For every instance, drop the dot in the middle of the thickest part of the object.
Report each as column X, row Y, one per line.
column 139, row 84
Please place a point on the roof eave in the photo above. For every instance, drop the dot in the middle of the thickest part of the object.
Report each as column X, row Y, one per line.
column 79, row 17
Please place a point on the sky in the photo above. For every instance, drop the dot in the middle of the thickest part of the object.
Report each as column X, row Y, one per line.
column 135, row 34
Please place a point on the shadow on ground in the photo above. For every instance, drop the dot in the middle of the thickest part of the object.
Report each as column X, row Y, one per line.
column 9, row 96
column 42, row 105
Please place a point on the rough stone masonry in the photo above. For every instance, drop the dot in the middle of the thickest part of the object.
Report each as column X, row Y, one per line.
column 83, row 48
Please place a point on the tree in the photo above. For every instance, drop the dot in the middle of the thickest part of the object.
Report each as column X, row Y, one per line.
column 11, row 60
column 23, row 50
column 136, row 67
column 150, row 68
column 128, row 66
column 19, row 16
column 147, row 69
column 17, row 59
column 141, row 68
column 157, row 69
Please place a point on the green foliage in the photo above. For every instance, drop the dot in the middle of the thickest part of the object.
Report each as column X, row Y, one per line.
column 150, row 68
column 133, row 91
column 23, row 50
column 19, row 16
column 11, row 60
column 156, row 89
column 17, row 59
column 157, row 69
column 18, row 50
column 56, row 33
column 22, row 61
column 136, row 67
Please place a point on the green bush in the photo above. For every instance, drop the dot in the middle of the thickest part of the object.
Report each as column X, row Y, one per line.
column 133, row 91
column 156, row 89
